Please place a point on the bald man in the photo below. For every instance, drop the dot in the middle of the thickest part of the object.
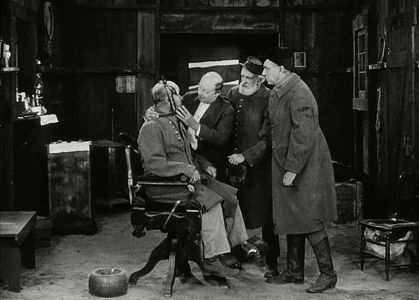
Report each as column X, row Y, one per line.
column 210, row 120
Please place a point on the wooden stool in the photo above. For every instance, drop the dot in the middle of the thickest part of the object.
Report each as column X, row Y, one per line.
column 17, row 247
column 387, row 228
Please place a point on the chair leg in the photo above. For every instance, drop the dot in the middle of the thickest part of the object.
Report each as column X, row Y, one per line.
column 362, row 252
column 192, row 252
column 387, row 255
column 159, row 253
column 168, row 286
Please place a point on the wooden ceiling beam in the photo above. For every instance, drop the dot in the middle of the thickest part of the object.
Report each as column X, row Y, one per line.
column 118, row 4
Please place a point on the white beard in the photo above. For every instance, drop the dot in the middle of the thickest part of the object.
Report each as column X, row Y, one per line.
column 248, row 91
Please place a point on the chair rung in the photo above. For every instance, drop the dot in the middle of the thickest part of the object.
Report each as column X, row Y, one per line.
column 155, row 214
column 138, row 208
column 166, row 183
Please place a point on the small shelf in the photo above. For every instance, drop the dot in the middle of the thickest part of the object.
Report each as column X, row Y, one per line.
column 125, row 71
column 122, row 71
column 9, row 70
column 52, row 70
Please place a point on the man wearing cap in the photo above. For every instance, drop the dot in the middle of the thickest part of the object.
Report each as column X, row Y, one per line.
column 251, row 152
column 304, row 197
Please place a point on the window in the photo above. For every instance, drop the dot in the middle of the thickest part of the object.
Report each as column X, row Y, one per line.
column 207, row 66
column 360, row 62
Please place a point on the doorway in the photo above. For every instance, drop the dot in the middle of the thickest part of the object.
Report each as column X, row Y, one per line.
column 186, row 57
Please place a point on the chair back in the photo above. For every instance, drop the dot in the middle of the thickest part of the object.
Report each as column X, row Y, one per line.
column 134, row 167
column 133, row 187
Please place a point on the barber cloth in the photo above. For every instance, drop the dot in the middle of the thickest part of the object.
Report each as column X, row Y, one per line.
column 200, row 111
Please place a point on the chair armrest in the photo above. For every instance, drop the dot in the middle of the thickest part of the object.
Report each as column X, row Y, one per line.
column 158, row 180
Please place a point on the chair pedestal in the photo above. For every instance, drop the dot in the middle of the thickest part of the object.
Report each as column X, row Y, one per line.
column 183, row 243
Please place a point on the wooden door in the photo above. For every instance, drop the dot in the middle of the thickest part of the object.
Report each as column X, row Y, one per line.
column 397, row 152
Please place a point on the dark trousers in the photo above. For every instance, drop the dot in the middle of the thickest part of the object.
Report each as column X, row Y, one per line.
column 272, row 240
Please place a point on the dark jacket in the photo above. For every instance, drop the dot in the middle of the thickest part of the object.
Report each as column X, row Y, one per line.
column 256, row 192
column 298, row 145
column 216, row 125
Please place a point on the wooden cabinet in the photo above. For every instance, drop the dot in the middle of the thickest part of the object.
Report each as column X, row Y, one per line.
column 69, row 178
column 109, row 173
column 7, row 92
column 30, row 164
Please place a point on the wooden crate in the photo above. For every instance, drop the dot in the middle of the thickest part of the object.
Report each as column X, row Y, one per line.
column 349, row 196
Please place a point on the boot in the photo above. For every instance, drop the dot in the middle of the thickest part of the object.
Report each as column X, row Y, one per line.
column 327, row 278
column 273, row 251
column 295, row 261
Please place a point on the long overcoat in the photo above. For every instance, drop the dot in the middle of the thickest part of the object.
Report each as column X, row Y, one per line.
column 298, row 145
column 255, row 194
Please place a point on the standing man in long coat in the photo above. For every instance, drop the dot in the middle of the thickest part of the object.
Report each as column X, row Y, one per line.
column 250, row 102
column 304, row 197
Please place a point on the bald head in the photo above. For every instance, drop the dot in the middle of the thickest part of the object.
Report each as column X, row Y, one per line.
column 210, row 87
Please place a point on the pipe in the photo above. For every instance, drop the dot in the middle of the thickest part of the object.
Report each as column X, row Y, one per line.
column 412, row 95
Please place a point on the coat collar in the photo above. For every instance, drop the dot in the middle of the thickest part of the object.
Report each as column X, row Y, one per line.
column 282, row 89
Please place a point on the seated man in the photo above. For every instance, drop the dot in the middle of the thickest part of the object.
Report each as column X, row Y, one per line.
column 165, row 148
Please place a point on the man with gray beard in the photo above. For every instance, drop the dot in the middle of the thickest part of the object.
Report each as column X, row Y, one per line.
column 251, row 156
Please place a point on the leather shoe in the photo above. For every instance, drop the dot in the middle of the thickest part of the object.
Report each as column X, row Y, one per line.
column 215, row 267
column 270, row 271
column 285, row 277
column 231, row 261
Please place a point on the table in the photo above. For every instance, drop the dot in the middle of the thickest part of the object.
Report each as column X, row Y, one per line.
column 388, row 228
column 17, row 245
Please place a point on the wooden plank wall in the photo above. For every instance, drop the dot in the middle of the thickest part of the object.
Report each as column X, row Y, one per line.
column 395, row 109
column 106, row 46
column 392, row 107
column 325, row 36
column 219, row 3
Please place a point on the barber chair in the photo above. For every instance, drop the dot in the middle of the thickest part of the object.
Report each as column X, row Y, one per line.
column 181, row 221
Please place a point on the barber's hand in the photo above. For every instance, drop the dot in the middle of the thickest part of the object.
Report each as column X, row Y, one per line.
column 150, row 114
column 185, row 116
column 288, row 178
column 236, row 159
column 195, row 177
column 212, row 171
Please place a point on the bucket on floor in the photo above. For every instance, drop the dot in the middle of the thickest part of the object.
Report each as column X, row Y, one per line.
column 108, row 282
